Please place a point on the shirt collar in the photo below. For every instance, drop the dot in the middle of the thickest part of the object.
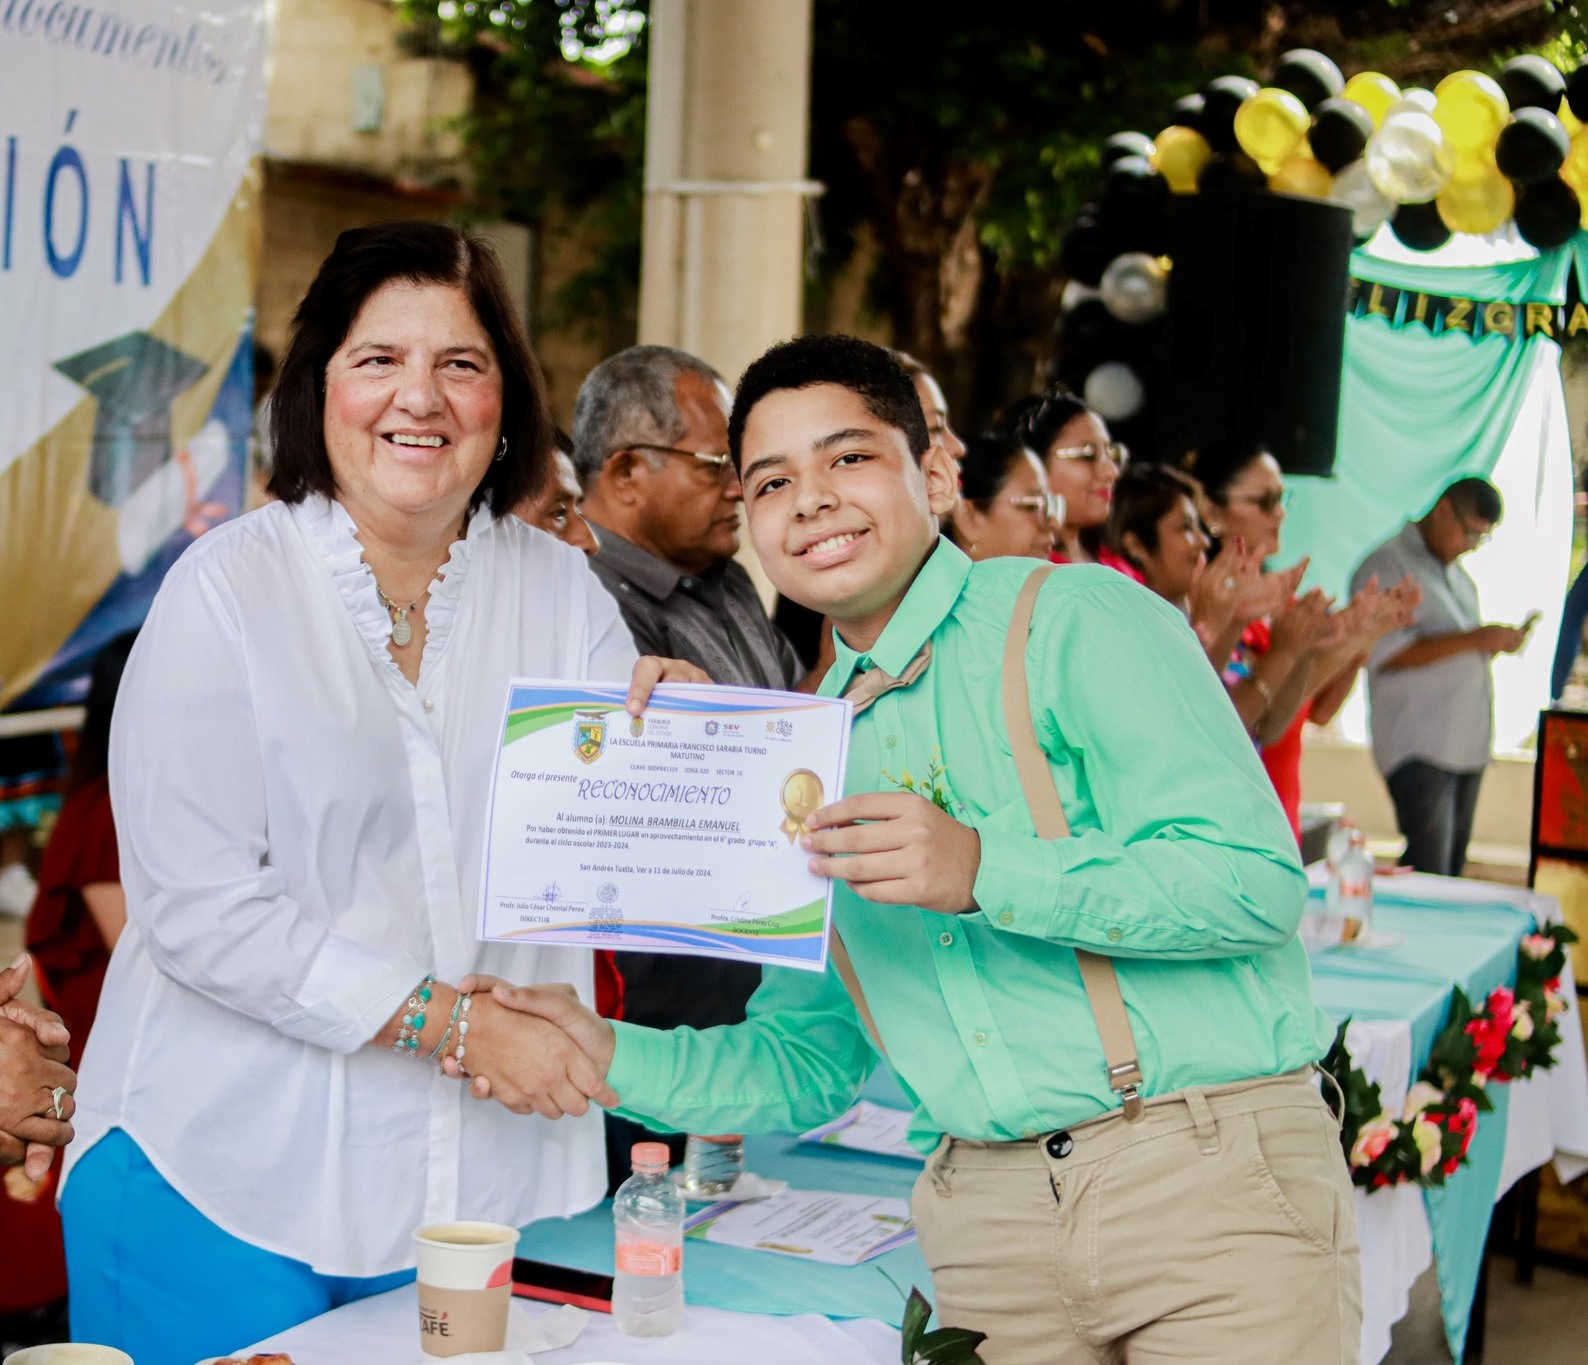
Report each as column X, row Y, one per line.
column 653, row 576
column 925, row 607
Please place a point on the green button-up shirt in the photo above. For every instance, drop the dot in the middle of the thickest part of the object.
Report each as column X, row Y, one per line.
column 1180, row 866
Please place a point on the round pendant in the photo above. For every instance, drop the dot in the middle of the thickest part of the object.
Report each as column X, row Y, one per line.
column 401, row 631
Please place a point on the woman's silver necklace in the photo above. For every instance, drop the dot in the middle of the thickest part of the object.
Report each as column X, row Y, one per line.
column 401, row 631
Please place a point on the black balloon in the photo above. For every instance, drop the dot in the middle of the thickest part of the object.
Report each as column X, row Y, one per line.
column 1420, row 227
column 1310, row 76
column 1090, row 334
column 1086, row 251
column 1220, row 100
column 1532, row 82
column 1532, row 147
column 1134, row 180
column 1340, row 130
column 1577, row 92
column 1126, row 144
column 1187, row 111
column 1231, row 173
column 1547, row 214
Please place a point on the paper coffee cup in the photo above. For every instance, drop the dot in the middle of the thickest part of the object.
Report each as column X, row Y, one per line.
column 69, row 1353
column 465, row 1286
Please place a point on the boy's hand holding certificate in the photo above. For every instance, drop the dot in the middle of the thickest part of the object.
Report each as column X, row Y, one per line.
column 673, row 832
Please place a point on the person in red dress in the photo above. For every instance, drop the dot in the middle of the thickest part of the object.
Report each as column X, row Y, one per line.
column 80, row 911
column 1300, row 663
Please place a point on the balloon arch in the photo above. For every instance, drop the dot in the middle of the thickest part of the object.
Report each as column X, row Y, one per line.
column 1470, row 156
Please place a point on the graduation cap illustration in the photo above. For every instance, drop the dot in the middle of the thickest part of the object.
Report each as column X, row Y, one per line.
column 135, row 378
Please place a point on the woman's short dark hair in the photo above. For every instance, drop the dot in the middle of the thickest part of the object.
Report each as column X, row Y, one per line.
column 362, row 261
column 868, row 371
column 1038, row 420
column 1144, row 496
column 988, row 460
column 1218, row 464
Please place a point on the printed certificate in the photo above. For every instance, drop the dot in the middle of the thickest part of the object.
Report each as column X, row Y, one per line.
column 673, row 832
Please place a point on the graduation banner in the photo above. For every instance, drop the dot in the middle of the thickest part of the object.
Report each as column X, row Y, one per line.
column 129, row 247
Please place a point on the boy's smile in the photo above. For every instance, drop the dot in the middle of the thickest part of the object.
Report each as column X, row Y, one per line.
column 841, row 514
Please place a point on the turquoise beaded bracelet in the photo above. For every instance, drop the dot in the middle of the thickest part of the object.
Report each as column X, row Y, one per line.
column 413, row 1020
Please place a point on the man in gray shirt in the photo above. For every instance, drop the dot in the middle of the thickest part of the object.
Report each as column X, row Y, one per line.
column 1430, row 697
column 650, row 443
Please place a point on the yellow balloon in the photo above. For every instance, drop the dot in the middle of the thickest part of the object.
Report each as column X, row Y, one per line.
column 1575, row 171
column 1269, row 126
column 1180, row 156
column 1300, row 174
column 1476, row 203
column 1565, row 115
column 1471, row 110
column 1373, row 91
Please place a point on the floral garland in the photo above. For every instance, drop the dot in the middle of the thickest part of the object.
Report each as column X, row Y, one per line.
column 1514, row 1034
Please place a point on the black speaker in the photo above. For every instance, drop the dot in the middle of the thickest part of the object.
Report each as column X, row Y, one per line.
column 1256, row 327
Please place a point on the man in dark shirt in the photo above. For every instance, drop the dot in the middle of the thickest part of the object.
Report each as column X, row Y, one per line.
column 650, row 442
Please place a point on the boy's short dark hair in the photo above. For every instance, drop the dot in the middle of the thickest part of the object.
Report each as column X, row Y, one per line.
column 867, row 371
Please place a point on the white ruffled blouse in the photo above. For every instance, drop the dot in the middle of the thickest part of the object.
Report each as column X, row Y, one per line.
column 301, row 832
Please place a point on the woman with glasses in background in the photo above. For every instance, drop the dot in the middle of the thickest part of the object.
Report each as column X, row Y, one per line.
column 1082, row 465
column 1005, row 506
column 1299, row 662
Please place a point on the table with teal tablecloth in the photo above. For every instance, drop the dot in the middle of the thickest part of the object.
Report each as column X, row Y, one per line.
column 1437, row 934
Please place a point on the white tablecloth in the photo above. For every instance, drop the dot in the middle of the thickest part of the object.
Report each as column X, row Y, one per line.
column 384, row 1330
column 1548, row 1120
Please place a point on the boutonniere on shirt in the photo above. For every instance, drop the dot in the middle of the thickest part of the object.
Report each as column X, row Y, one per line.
column 933, row 786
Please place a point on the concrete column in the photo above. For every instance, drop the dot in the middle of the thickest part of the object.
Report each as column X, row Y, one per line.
column 725, row 165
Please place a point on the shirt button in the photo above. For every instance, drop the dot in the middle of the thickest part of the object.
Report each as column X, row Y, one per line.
column 686, row 582
column 981, row 1038
column 891, row 741
column 945, row 939
column 1008, row 917
column 429, row 705
column 1028, row 1134
column 1114, row 935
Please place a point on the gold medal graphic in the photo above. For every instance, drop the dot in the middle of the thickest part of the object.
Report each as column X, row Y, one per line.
column 802, row 794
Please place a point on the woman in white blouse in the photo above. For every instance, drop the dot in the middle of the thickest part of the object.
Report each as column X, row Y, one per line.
column 298, row 766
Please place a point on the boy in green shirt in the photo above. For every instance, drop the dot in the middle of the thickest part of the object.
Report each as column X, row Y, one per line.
column 1160, row 1181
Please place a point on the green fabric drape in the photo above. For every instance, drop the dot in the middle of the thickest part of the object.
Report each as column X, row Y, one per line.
column 1417, row 410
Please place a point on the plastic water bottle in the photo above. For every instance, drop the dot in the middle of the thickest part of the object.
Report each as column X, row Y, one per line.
column 648, row 1215
column 713, row 1165
column 1353, row 887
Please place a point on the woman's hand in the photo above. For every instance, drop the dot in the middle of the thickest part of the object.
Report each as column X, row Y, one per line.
column 650, row 669
column 29, row 1082
column 1303, row 626
column 527, row 1063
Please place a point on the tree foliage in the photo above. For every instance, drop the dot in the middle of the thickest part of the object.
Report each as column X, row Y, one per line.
column 954, row 151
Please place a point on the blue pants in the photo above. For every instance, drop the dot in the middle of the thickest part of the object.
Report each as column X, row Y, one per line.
column 1434, row 809
column 150, row 1274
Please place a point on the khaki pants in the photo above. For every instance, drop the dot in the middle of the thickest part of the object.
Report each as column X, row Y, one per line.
column 1219, row 1228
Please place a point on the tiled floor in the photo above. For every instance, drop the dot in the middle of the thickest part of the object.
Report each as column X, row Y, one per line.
column 1542, row 1324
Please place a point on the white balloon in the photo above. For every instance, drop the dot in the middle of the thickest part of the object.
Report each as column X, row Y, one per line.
column 1414, row 100
column 1135, row 287
column 1113, row 391
column 1354, row 188
column 1075, row 293
column 1407, row 158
